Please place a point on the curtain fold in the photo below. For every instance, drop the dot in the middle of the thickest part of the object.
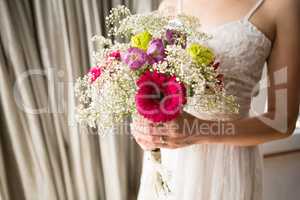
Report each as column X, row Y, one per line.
column 44, row 154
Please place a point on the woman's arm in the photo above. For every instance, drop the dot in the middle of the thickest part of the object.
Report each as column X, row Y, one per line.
column 283, row 98
column 283, row 92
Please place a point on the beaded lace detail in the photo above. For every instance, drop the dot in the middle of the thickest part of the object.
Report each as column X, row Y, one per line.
column 242, row 50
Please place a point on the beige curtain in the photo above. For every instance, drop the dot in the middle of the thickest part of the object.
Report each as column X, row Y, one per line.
column 44, row 47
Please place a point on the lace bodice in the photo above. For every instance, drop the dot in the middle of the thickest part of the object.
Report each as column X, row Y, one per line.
column 242, row 50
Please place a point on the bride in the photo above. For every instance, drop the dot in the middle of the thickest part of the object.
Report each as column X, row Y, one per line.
column 212, row 163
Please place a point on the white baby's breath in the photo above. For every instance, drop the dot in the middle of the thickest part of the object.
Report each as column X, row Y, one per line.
column 105, row 102
column 110, row 99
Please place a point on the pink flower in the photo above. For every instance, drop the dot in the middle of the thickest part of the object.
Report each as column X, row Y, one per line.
column 94, row 73
column 135, row 58
column 115, row 54
column 160, row 97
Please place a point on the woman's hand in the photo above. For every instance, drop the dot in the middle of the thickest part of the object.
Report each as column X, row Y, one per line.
column 140, row 129
column 170, row 135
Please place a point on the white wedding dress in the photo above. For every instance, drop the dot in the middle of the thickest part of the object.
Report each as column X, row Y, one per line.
column 221, row 172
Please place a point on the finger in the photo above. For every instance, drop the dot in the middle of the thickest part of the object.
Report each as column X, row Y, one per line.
column 167, row 143
column 139, row 128
column 180, row 142
column 170, row 125
column 166, row 146
column 145, row 145
column 164, row 131
column 150, row 141
column 158, row 130
column 153, row 142
column 148, row 138
column 171, row 144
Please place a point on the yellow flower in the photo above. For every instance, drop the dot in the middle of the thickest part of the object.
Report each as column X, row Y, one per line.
column 141, row 40
column 200, row 54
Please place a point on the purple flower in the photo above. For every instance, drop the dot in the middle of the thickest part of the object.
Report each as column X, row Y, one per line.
column 170, row 36
column 176, row 37
column 156, row 51
column 135, row 58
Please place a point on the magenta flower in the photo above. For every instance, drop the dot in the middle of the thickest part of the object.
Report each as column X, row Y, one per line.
column 176, row 37
column 115, row 54
column 156, row 51
column 135, row 58
column 94, row 73
column 160, row 97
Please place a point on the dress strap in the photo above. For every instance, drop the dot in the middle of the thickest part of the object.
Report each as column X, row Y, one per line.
column 254, row 9
column 179, row 6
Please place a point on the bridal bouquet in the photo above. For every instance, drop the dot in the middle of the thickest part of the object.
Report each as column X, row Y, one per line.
column 151, row 66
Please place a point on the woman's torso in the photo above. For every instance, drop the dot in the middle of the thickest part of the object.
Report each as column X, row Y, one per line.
column 221, row 172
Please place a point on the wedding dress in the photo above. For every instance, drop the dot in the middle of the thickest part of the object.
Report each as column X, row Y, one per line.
column 221, row 172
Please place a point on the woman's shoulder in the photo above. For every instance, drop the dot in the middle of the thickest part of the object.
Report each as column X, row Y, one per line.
column 276, row 16
column 283, row 10
column 287, row 15
column 291, row 4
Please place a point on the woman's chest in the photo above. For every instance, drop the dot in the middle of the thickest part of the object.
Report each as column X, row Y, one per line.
column 239, row 46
